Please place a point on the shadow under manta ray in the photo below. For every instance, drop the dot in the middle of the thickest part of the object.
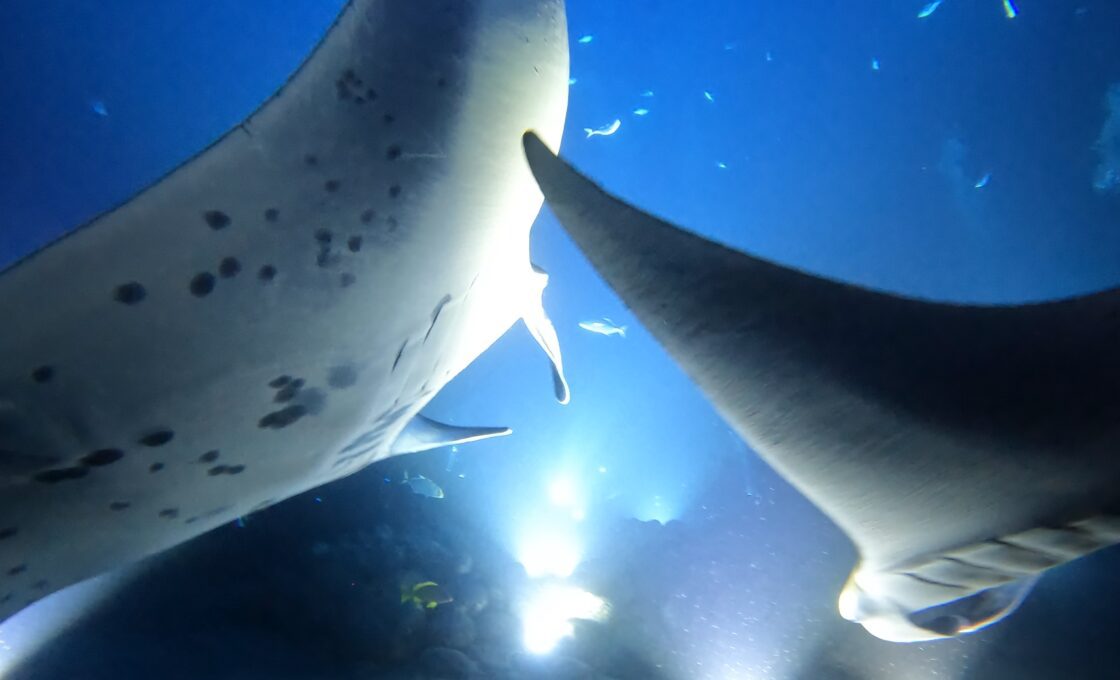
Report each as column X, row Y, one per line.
column 964, row 449
column 273, row 314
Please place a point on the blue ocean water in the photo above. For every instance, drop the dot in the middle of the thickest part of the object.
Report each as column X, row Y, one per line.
column 963, row 156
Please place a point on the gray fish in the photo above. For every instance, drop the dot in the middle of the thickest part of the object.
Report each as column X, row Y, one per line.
column 962, row 448
column 604, row 327
column 274, row 313
column 422, row 486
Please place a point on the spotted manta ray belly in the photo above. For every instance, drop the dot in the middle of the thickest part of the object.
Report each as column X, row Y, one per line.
column 274, row 313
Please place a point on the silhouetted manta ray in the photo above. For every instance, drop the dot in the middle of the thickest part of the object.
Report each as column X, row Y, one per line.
column 274, row 313
column 964, row 449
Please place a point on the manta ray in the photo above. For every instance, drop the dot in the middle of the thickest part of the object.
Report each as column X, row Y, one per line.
column 274, row 313
column 964, row 449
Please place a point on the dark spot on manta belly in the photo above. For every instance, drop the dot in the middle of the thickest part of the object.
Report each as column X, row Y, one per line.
column 346, row 279
column 202, row 284
column 394, row 191
column 216, row 219
column 102, row 457
column 169, row 513
column 155, row 467
column 209, row 456
column 325, row 258
column 43, row 374
column 229, row 268
column 129, row 293
column 18, row 569
column 341, row 377
column 284, row 417
column 119, row 505
column 266, row 273
column 311, row 159
column 41, row 584
column 286, row 393
column 388, row 118
column 8, row 532
column 157, row 438
column 271, row 215
column 324, row 236
column 393, row 152
column 332, row 185
column 367, row 215
column 61, row 475
column 354, row 243
column 225, row 470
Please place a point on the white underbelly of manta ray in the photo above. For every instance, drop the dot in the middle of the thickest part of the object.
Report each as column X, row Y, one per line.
column 273, row 314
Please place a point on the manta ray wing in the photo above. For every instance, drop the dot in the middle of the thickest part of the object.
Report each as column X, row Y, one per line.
column 960, row 447
column 272, row 314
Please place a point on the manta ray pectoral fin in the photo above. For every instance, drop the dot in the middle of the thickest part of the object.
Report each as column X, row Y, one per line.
column 542, row 330
column 422, row 434
column 919, row 427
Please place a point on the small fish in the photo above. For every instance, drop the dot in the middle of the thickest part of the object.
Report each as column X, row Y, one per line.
column 641, row 112
column 721, row 165
column 1010, row 9
column 708, row 96
column 929, row 9
column 604, row 327
column 874, row 64
column 425, row 595
column 647, row 93
column 422, row 486
column 99, row 108
column 769, row 55
column 604, row 131
column 983, row 181
column 585, row 39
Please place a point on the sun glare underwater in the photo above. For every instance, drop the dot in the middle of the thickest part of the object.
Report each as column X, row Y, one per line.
column 361, row 256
